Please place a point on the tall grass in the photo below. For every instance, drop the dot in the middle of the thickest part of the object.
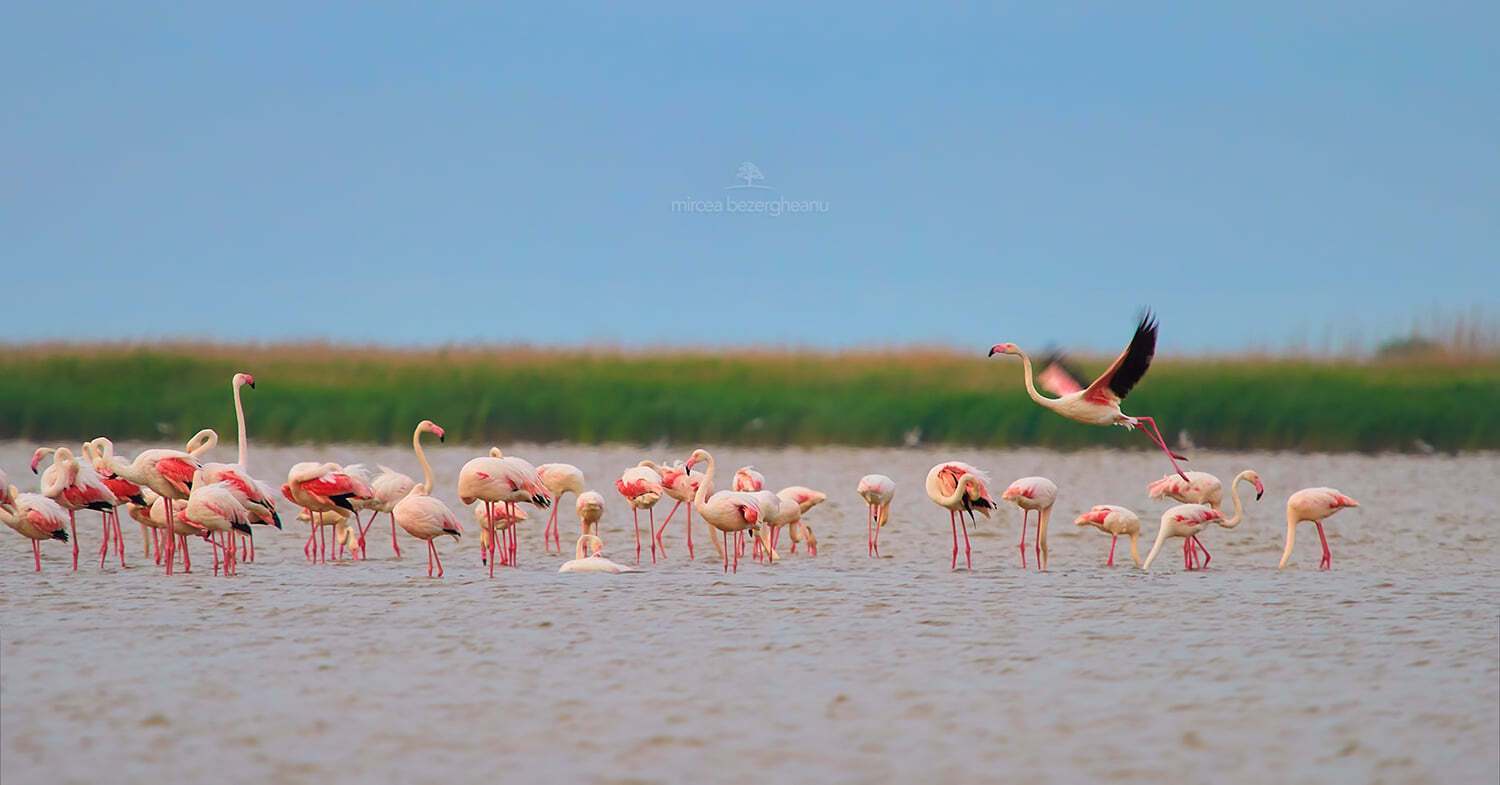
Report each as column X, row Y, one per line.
column 311, row 392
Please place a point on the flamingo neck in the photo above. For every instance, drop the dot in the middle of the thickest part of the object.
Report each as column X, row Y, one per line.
column 960, row 489
column 239, row 415
column 1234, row 495
column 1050, row 403
column 416, row 444
column 701, row 497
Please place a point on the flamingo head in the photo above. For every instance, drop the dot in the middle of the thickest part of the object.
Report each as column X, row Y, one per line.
column 1094, row 517
column 244, row 380
column 1260, row 488
column 36, row 457
column 431, row 427
column 1004, row 348
column 698, row 456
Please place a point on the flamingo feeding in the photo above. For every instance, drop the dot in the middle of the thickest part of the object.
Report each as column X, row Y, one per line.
column 877, row 490
column 500, row 479
column 1114, row 521
column 423, row 516
column 587, row 558
column 320, row 488
column 1099, row 403
column 386, row 488
column 1033, row 494
column 641, row 487
column 216, row 510
column 169, row 473
column 728, row 511
column 492, row 529
column 35, row 517
column 681, row 486
column 590, row 511
column 558, row 478
column 748, row 480
column 1313, row 504
column 960, row 488
column 1186, row 521
column 804, row 499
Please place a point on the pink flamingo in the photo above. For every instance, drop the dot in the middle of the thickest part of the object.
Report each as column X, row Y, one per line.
column 804, row 499
column 1099, row 403
column 492, row 528
column 216, row 510
column 1186, row 521
column 167, row 472
column 255, row 496
column 35, row 517
column 1313, row 504
column 423, row 516
column 497, row 478
column 877, row 490
column 321, row 488
column 590, row 509
column 76, row 486
column 728, row 511
column 747, row 479
column 681, row 486
column 1114, row 520
column 1033, row 494
column 559, row 478
column 127, row 493
column 960, row 488
column 641, row 487
column 388, row 487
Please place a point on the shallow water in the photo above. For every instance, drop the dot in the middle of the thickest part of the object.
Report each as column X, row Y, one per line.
column 834, row 669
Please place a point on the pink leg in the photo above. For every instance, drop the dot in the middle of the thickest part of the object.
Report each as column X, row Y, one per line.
column 1207, row 557
column 662, row 531
column 1025, row 517
column 1327, row 562
column 1187, row 556
column 215, row 547
column 968, row 562
column 1112, row 539
column 651, row 527
column 690, row 530
column 394, row 546
column 515, row 553
column 171, row 540
column 635, row 513
column 739, row 546
column 870, row 530
column 36, row 553
column 187, row 558
column 726, row 555
column 104, row 545
column 430, row 553
column 1155, row 435
column 877, row 533
column 119, row 536
column 493, row 547
column 953, row 523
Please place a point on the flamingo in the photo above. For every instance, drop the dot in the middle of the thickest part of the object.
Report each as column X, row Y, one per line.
column 499, row 478
column 169, row 473
column 727, row 511
column 748, row 480
column 126, row 492
column 1185, row 521
column 590, row 510
column 681, row 487
column 960, row 488
column 877, row 490
column 1313, row 504
column 423, row 516
column 257, row 497
column 1204, row 488
column 76, row 486
column 1099, row 403
column 216, row 510
column 320, row 488
column 559, row 478
column 35, row 517
column 592, row 562
column 804, row 498
column 1114, row 521
column 641, row 487
column 505, row 516
column 804, row 534
column 1033, row 494
column 773, row 515
column 387, row 487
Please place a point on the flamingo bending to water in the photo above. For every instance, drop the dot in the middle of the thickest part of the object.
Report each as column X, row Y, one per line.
column 641, row 487
column 558, row 478
column 804, row 498
column 1099, row 403
column 1186, row 521
column 387, row 487
column 1114, row 521
column 681, row 485
column 321, row 488
column 35, row 517
column 590, row 509
column 960, row 488
column 877, row 490
column 1033, row 494
column 1313, row 504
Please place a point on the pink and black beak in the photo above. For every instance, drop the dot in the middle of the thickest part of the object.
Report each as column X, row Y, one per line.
column 1260, row 490
column 994, row 350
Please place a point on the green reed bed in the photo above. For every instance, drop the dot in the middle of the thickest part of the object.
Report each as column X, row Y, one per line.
column 317, row 393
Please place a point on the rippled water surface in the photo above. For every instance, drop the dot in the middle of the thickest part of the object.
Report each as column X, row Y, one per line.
column 834, row 669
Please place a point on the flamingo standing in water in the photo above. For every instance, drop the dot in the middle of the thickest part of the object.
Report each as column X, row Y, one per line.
column 641, row 487
column 35, row 517
column 1204, row 488
column 877, row 490
column 76, row 487
column 320, row 488
column 748, row 480
column 216, row 510
column 500, row 479
column 1099, row 403
column 493, row 529
column 126, row 492
column 1114, row 521
column 681, row 486
column 730, row 512
column 559, row 478
column 586, row 558
column 258, row 498
column 1185, row 521
column 387, row 488
column 804, row 499
column 167, row 472
column 1313, row 504
column 960, row 488
column 423, row 516
column 590, row 509
column 1033, row 494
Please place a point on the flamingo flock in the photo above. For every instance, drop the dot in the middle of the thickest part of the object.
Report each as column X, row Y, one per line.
column 177, row 497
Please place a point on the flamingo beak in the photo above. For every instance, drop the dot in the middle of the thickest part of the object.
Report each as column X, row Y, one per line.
column 994, row 350
column 36, row 458
column 1260, row 490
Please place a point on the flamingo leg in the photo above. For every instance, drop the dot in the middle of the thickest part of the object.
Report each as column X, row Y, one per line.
column 36, row 553
column 515, row 554
column 870, row 530
column 1113, row 538
column 690, row 530
column 104, row 544
column 1154, row 434
column 187, row 559
column 1207, row 557
column 394, row 546
column 663, row 529
column 726, row 554
column 1025, row 517
column 1327, row 562
column 968, row 561
column 953, row 523
column 171, row 547
column 877, row 531
column 739, row 547
column 1187, row 559
column 490, row 550
column 651, row 527
column 430, row 553
column 73, row 532
column 635, row 513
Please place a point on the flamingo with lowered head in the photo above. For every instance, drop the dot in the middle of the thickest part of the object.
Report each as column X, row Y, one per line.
column 559, row 478
column 1033, row 494
column 35, row 517
column 216, row 509
column 1114, row 521
column 387, row 488
column 587, row 558
column 804, row 499
column 420, row 514
column 1204, row 488
column 590, row 511
column 681, row 486
column 960, row 488
column 1313, row 504
column 167, row 472
column 641, row 487
column 728, row 511
column 747, row 479
column 500, row 479
column 320, row 488
column 1099, row 403
column 877, row 490
column 1186, row 521
column 493, row 529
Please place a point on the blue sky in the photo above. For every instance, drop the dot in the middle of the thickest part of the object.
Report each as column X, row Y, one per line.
column 1036, row 173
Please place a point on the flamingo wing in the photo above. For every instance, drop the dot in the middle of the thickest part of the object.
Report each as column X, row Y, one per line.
column 178, row 471
column 1057, row 376
column 1127, row 369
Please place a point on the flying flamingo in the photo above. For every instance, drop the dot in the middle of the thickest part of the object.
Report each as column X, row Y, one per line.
column 586, row 558
column 728, row 511
column 320, row 488
column 559, row 478
column 423, row 516
column 1036, row 494
column 681, row 486
column 641, row 487
column 960, row 488
column 590, row 511
column 167, row 472
column 1099, row 403
column 35, row 517
column 1114, row 521
column 497, row 478
column 76, row 486
column 388, row 487
column 1186, row 521
column 877, row 490
column 804, row 498
column 1313, row 504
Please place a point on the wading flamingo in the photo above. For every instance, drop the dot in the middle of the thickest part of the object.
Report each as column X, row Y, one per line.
column 1114, row 521
column 558, row 478
column 960, row 488
column 167, row 472
column 804, row 534
column 1185, row 521
column 1313, row 504
column 1099, row 403
column 727, row 511
column 681, row 486
column 805, row 499
column 1033, row 494
column 586, row 558
column 257, row 497
column 126, row 492
column 590, row 511
column 641, row 487
column 492, row 530
column 1204, row 488
column 500, row 479
column 320, row 488
column 216, row 509
column 877, row 490
column 35, row 517
column 387, row 487
column 748, row 480
column 421, row 515
column 76, row 486
column 773, row 515
column 337, row 519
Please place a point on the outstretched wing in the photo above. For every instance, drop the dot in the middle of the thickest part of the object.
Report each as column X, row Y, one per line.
column 1129, row 367
column 1057, row 376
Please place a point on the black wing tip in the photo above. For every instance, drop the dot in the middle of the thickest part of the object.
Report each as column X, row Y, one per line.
column 60, row 534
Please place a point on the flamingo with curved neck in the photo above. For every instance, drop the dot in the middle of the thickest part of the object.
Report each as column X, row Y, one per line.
column 960, row 488
column 727, row 511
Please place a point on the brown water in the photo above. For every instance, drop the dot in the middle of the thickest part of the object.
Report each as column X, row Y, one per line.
column 828, row 670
